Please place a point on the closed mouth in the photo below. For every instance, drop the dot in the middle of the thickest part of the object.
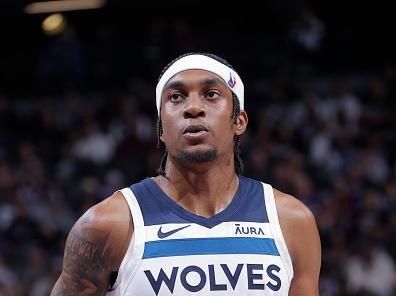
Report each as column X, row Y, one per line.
column 195, row 128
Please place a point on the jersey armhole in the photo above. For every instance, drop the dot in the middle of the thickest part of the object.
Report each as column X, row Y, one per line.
column 134, row 253
column 276, row 229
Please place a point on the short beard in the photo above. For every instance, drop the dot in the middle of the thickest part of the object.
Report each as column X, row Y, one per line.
column 197, row 157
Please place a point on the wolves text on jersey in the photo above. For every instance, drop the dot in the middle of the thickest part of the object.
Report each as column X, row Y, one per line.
column 207, row 277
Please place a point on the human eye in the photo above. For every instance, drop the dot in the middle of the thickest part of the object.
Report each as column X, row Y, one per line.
column 212, row 94
column 176, row 97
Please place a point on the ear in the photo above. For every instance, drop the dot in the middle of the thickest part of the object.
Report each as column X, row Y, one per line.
column 161, row 135
column 161, row 130
column 241, row 123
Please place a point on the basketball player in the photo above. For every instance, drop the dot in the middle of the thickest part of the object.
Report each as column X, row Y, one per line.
column 199, row 227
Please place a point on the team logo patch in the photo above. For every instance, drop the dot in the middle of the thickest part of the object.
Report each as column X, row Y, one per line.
column 232, row 81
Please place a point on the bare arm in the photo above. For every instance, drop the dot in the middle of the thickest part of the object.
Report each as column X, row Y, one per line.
column 302, row 238
column 94, row 249
column 85, row 269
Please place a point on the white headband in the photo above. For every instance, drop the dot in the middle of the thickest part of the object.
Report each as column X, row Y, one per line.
column 202, row 62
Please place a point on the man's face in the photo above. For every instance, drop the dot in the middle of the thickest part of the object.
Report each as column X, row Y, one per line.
column 196, row 115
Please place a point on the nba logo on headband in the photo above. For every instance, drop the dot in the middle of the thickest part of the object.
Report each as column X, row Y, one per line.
column 232, row 81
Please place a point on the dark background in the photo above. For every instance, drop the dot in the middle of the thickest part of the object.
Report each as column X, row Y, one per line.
column 358, row 36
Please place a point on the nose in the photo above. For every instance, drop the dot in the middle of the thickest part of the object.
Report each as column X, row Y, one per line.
column 194, row 107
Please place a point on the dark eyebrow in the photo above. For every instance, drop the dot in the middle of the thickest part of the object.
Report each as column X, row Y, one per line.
column 174, row 84
column 212, row 81
column 205, row 82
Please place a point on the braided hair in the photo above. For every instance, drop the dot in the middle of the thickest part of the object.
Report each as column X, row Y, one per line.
column 238, row 162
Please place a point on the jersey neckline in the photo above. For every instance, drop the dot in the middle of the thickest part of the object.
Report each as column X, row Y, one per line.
column 208, row 222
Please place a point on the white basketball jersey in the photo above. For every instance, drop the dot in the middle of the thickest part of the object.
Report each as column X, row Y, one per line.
column 239, row 251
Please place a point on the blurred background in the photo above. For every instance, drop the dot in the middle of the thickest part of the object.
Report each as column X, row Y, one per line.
column 77, row 119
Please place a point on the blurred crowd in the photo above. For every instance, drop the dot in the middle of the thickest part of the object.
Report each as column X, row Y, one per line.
column 329, row 140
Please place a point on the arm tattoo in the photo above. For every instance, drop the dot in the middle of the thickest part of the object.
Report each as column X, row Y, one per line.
column 84, row 267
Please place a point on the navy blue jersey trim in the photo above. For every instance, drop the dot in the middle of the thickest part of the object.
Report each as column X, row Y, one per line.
column 247, row 205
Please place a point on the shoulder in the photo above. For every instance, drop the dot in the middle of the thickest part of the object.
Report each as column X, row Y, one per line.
column 292, row 210
column 297, row 222
column 107, row 224
column 113, row 209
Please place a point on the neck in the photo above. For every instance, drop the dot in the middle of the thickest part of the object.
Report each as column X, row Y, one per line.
column 204, row 189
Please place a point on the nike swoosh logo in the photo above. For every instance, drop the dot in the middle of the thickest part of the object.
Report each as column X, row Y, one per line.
column 168, row 233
